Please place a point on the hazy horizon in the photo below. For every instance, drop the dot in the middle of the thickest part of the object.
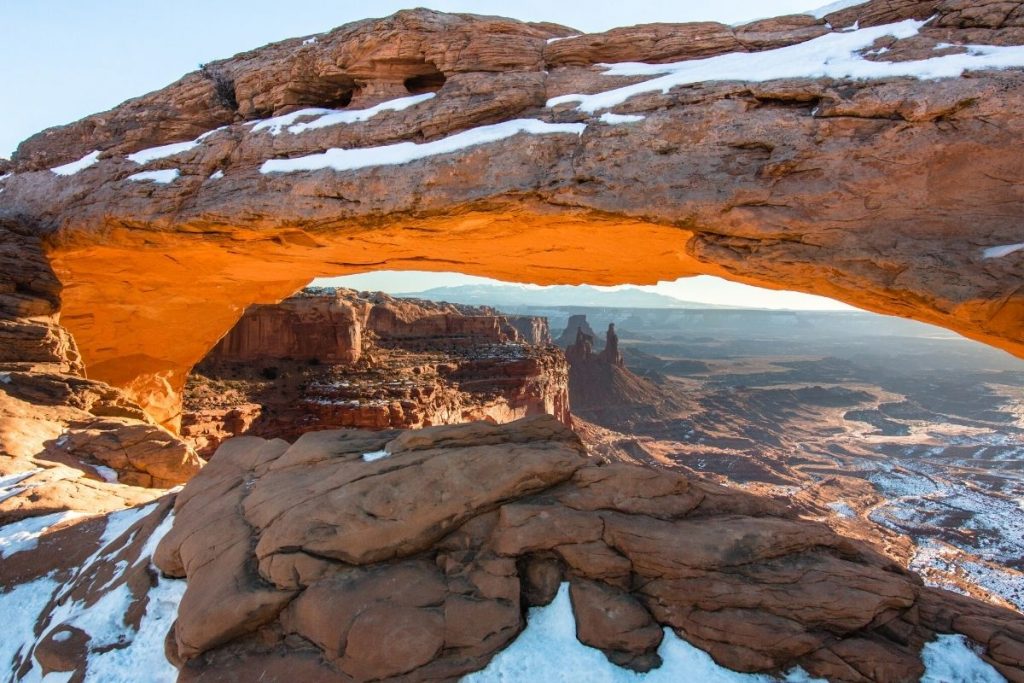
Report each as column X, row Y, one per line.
column 704, row 289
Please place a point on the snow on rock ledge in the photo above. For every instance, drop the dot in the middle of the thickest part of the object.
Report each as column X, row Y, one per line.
column 405, row 152
column 834, row 55
column 87, row 601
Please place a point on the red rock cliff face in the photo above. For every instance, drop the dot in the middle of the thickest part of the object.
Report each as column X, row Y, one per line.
column 531, row 329
column 303, row 328
column 367, row 360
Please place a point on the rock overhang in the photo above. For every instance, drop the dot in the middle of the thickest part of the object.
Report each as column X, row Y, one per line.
column 886, row 193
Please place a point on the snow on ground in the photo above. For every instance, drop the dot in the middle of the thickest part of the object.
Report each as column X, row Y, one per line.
column 404, row 152
column 842, row 508
column 163, row 177
column 615, row 119
column 1001, row 251
column 144, row 156
column 108, row 474
column 822, row 12
column 20, row 608
column 950, row 659
column 323, row 118
column 216, row 175
column 76, row 166
column 375, row 455
column 547, row 650
column 124, row 652
column 24, row 535
column 834, row 55
column 5, row 176
column 9, row 485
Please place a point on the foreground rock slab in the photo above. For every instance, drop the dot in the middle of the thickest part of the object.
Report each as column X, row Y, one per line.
column 306, row 558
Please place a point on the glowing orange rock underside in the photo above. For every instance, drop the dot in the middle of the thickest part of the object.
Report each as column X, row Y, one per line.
column 145, row 306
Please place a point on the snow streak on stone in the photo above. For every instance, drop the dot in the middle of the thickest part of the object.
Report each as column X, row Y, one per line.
column 24, row 535
column 323, row 118
column 143, row 157
column 356, row 115
column 375, row 455
column 547, row 650
column 404, row 152
column 615, row 119
column 1001, row 251
column 108, row 474
column 76, row 166
column 216, row 175
column 162, row 177
column 835, row 55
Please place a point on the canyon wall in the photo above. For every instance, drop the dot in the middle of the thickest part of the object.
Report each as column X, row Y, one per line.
column 302, row 328
column 341, row 358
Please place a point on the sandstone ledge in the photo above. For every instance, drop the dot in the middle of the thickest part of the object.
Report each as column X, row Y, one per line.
column 438, row 548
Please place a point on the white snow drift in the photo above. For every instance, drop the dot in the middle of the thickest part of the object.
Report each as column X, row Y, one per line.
column 404, row 152
column 835, row 55
column 76, row 166
column 322, row 118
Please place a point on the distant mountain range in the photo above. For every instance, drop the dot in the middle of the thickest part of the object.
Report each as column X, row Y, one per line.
column 500, row 296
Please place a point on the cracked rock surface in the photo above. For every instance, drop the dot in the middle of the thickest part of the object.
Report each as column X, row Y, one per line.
column 308, row 558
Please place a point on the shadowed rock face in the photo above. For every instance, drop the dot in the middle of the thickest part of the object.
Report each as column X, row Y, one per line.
column 438, row 548
column 881, row 193
column 63, row 435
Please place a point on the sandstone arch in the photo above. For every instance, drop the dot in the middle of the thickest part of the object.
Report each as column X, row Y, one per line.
column 882, row 193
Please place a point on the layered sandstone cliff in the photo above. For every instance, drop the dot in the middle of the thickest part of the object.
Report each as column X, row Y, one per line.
column 64, row 439
column 823, row 162
column 325, row 359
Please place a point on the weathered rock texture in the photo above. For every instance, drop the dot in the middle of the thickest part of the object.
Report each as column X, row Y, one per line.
column 308, row 558
column 56, row 426
column 881, row 193
column 326, row 359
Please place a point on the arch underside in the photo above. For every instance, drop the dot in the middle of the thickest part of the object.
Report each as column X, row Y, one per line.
column 144, row 306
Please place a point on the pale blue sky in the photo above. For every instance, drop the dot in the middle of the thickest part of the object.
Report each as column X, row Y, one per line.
column 65, row 59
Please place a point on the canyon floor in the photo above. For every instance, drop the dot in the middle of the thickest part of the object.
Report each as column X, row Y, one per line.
column 894, row 432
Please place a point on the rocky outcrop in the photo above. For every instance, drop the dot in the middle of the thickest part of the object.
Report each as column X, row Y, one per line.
column 303, row 328
column 854, row 189
column 63, row 436
column 437, row 542
column 532, row 329
column 602, row 389
column 576, row 326
column 385, row 363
